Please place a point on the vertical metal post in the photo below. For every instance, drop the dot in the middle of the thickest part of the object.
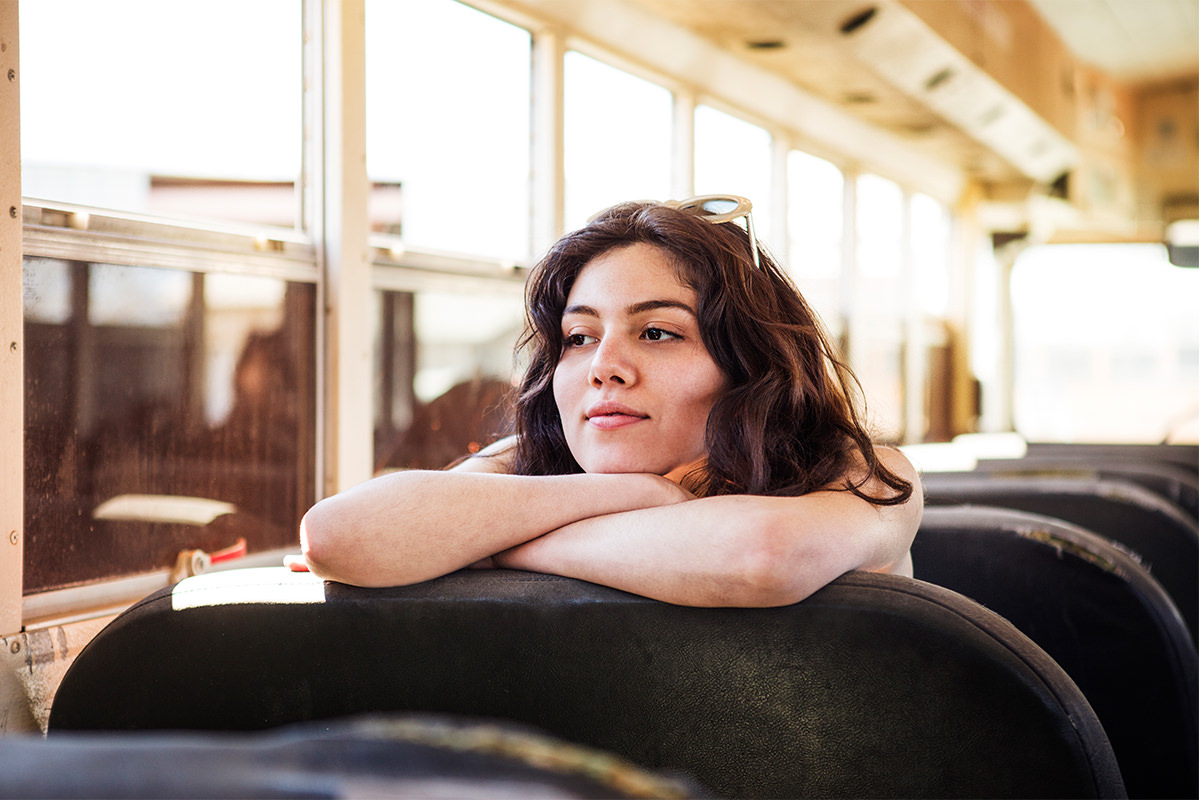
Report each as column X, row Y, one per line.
column 12, row 363
column 913, row 345
column 848, row 279
column 341, row 237
column 683, row 144
column 548, row 195
column 780, row 195
column 964, row 319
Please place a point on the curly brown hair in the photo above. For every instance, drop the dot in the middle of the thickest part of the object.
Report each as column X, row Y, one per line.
column 790, row 422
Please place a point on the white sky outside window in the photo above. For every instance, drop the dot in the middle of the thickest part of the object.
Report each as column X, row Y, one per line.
column 880, row 301
column 617, row 138
column 113, row 92
column 448, row 118
column 931, row 254
column 880, row 225
column 1107, row 346
column 815, row 229
column 815, row 215
column 734, row 157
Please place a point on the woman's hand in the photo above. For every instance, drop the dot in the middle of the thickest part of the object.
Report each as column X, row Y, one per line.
column 671, row 491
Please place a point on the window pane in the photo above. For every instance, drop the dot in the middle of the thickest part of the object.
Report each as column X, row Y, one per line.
column 878, row 335
column 815, row 192
column 617, row 138
column 448, row 127
column 734, row 157
column 148, row 434
column 1105, row 344
column 163, row 108
column 931, row 254
column 444, row 369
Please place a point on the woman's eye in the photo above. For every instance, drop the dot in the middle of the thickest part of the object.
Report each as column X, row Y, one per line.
column 658, row 334
column 578, row 339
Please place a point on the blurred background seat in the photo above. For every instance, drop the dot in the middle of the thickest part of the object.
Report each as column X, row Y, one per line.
column 1093, row 609
column 1163, row 536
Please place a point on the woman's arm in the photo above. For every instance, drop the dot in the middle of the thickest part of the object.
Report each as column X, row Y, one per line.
column 412, row 526
column 736, row 550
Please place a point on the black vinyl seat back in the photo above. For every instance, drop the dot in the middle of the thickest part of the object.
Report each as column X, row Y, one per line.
column 1097, row 613
column 392, row 756
column 1186, row 456
column 874, row 686
column 1170, row 480
column 1164, row 538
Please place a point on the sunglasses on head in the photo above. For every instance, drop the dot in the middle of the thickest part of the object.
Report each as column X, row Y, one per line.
column 714, row 208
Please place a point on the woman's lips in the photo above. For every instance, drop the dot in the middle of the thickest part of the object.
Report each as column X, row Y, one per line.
column 610, row 416
column 608, row 422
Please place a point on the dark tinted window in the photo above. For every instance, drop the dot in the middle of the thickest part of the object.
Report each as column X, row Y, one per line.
column 164, row 411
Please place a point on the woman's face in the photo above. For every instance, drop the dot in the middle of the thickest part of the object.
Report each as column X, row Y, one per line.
column 635, row 383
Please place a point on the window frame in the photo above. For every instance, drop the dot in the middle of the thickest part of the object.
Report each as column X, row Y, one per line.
column 80, row 234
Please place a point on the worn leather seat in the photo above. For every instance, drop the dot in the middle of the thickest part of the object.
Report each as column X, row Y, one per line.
column 875, row 686
column 1164, row 537
column 1186, row 456
column 406, row 756
column 1093, row 609
column 1170, row 480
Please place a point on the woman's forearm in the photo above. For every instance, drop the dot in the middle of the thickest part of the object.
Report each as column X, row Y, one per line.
column 725, row 551
column 412, row 526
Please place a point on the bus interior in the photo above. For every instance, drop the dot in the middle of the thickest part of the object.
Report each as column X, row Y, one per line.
column 255, row 252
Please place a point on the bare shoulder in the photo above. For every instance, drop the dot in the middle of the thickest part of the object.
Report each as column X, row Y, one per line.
column 496, row 458
column 898, row 463
column 890, row 459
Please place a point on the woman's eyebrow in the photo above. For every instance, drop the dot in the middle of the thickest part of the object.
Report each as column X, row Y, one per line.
column 586, row 311
column 654, row 305
column 633, row 309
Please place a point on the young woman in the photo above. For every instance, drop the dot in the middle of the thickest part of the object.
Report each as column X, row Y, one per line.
column 684, row 432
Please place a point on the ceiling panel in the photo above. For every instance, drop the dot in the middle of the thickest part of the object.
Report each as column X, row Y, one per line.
column 1131, row 40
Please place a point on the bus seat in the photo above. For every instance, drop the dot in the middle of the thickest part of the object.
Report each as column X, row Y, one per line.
column 401, row 756
column 1095, row 611
column 1184, row 455
column 1164, row 538
column 876, row 685
column 1172, row 481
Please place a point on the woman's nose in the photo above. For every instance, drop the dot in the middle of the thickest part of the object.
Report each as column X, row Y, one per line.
column 612, row 364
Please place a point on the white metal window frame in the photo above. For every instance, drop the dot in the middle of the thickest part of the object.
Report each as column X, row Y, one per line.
column 12, row 364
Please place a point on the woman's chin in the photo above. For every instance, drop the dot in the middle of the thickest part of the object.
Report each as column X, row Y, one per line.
column 618, row 464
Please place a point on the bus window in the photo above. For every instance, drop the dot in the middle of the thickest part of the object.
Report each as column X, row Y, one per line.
column 616, row 138
column 734, row 157
column 447, row 141
column 815, row 229
column 444, row 373
column 211, row 131
column 1105, row 344
column 877, row 331
column 165, row 411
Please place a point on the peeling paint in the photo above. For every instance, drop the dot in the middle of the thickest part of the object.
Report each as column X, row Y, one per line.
column 1066, row 545
column 32, row 665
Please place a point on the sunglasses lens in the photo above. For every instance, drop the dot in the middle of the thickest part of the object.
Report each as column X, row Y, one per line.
column 719, row 206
